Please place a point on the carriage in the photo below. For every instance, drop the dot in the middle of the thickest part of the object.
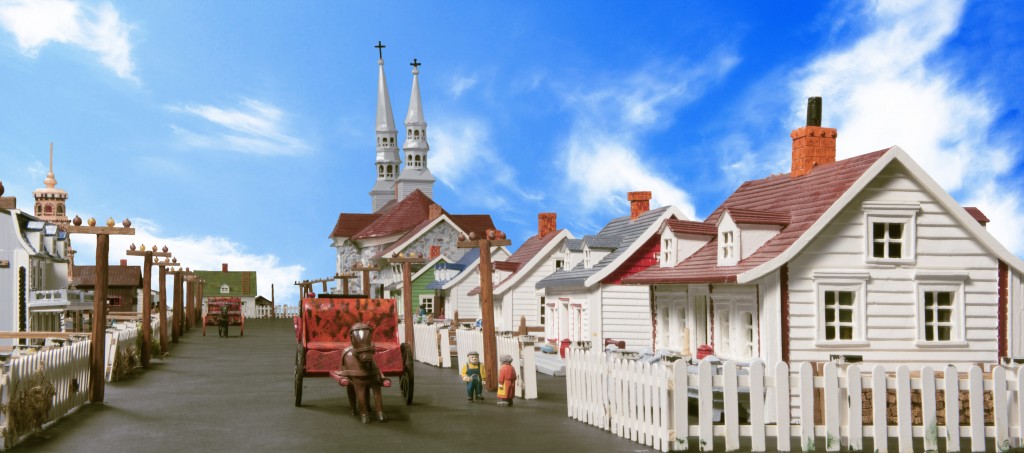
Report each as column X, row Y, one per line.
column 214, row 308
column 322, row 334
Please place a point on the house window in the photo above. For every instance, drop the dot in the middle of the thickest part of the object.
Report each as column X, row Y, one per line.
column 427, row 304
column 890, row 232
column 559, row 265
column 940, row 308
column 841, row 300
column 586, row 258
column 224, row 289
column 839, row 315
column 938, row 315
column 728, row 245
column 666, row 252
column 735, row 326
column 543, row 312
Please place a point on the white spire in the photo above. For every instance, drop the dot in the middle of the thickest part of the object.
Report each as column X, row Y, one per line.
column 415, row 115
column 388, row 162
column 385, row 119
column 415, row 173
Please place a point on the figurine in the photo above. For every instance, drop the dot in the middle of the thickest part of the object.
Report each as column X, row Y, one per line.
column 474, row 374
column 358, row 366
column 506, row 381
column 222, row 322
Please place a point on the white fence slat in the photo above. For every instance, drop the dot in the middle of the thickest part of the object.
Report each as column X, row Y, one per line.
column 855, row 412
column 680, row 406
column 782, row 409
column 757, row 435
column 806, row 407
column 999, row 409
column 1020, row 404
column 664, row 392
column 729, row 397
column 879, row 425
column 951, row 384
column 831, row 391
column 904, row 423
column 704, row 396
column 928, row 417
column 977, row 405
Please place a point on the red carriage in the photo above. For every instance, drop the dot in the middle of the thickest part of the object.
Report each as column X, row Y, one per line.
column 322, row 332
column 214, row 312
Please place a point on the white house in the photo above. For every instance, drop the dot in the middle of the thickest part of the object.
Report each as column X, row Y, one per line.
column 454, row 282
column 866, row 257
column 515, row 291
column 588, row 301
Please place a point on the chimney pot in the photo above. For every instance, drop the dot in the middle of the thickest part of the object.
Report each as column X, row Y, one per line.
column 547, row 222
column 813, row 145
column 224, row 267
column 639, row 203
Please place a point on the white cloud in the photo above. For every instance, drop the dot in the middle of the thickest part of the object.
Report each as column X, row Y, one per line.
column 254, row 128
column 891, row 88
column 460, row 84
column 603, row 156
column 99, row 29
column 199, row 253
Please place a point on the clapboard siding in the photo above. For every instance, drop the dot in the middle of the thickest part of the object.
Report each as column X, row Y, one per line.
column 524, row 296
column 626, row 311
column 942, row 244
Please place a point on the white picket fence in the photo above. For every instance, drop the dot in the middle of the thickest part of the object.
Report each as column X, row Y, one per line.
column 66, row 368
column 122, row 340
column 432, row 345
column 649, row 404
column 523, row 357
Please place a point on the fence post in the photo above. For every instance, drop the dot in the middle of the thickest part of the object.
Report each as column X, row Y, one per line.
column 878, row 419
column 704, row 411
column 999, row 409
column 730, row 403
column 904, row 424
column 977, row 405
column 756, row 386
column 855, row 415
column 951, row 384
column 928, row 418
column 680, row 406
column 782, row 402
column 806, row 407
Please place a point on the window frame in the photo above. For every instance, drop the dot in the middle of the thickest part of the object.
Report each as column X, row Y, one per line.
column 855, row 282
column 954, row 282
column 903, row 213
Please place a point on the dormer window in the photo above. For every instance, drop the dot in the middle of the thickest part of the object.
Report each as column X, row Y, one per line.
column 225, row 289
column 668, row 246
column 586, row 258
column 559, row 264
column 728, row 245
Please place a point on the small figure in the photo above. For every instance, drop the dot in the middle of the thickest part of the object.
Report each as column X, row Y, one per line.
column 358, row 366
column 506, row 381
column 222, row 322
column 474, row 374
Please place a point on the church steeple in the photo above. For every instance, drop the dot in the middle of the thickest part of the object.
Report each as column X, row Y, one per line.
column 388, row 159
column 50, row 201
column 416, row 174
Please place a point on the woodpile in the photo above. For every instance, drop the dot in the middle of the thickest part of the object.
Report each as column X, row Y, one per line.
column 916, row 411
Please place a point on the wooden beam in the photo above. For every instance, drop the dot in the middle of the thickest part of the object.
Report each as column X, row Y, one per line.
column 44, row 335
column 407, row 262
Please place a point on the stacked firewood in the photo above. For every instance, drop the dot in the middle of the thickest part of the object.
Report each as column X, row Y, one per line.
column 917, row 413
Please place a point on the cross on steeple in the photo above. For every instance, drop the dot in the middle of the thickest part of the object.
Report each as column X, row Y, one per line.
column 415, row 64
column 380, row 49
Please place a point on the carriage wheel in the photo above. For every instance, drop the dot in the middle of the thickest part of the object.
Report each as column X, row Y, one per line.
column 300, row 368
column 407, row 374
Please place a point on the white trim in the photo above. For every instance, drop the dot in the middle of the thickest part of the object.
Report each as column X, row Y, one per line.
column 933, row 188
column 430, row 265
column 958, row 334
column 539, row 257
column 840, row 282
column 474, row 265
column 886, row 213
column 941, row 275
column 670, row 211
column 418, row 233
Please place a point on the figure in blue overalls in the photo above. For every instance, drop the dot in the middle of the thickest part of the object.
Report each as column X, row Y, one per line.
column 474, row 374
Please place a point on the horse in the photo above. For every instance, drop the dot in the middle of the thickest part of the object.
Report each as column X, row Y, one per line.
column 358, row 366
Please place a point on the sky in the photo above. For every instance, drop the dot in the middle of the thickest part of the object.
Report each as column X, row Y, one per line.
column 236, row 132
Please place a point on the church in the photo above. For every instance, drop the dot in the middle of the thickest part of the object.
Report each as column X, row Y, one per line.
column 403, row 218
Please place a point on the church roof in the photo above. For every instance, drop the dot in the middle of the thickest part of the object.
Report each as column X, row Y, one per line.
column 402, row 217
column 350, row 224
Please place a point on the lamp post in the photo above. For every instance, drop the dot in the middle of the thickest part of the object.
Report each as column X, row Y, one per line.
column 493, row 238
column 147, row 296
column 99, row 302
column 365, row 269
column 407, row 261
column 162, row 307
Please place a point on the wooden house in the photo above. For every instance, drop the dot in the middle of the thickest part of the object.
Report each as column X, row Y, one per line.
column 587, row 301
column 453, row 283
column 228, row 283
column 124, row 284
column 865, row 258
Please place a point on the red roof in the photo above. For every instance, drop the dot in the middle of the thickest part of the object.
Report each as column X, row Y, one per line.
column 350, row 224
column 404, row 216
column 804, row 199
column 523, row 255
column 691, row 227
column 129, row 276
column 755, row 217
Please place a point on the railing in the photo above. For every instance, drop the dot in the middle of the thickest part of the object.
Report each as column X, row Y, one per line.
column 286, row 311
column 56, row 376
column 522, row 354
column 60, row 297
column 648, row 403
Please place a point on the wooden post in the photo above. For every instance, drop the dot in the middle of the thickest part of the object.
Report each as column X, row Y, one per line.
column 407, row 262
column 97, row 354
column 344, row 281
column 200, row 288
column 176, row 308
column 162, row 308
column 273, row 303
column 147, row 298
column 493, row 239
column 365, row 270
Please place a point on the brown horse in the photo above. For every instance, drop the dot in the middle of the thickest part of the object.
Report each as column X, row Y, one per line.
column 358, row 366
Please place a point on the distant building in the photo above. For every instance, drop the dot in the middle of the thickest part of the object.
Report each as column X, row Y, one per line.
column 225, row 283
column 124, row 285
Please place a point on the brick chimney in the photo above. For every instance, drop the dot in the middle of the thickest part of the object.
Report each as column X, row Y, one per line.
column 813, row 145
column 124, row 262
column 223, row 267
column 7, row 202
column 639, row 203
column 547, row 222
column 434, row 211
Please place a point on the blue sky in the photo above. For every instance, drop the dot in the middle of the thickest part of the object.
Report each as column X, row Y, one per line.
column 237, row 132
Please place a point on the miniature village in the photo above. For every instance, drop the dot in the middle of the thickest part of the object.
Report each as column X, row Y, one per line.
column 846, row 303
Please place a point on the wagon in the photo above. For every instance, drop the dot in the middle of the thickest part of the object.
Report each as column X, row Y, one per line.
column 321, row 331
column 213, row 310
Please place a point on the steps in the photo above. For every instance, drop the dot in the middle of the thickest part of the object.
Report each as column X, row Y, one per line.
column 550, row 364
